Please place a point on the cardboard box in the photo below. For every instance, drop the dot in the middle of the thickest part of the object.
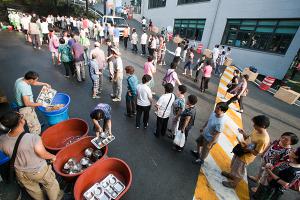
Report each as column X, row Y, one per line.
column 228, row 62
column 207, row 53
column 252, row 76
column 287, row 95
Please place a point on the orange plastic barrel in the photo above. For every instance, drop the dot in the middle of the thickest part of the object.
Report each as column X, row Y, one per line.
column 99, row 171
column 75, row 150
column 60, row 135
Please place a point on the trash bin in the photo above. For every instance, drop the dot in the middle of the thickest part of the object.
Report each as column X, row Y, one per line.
column 99, row 171
column 64, row 133
column 75, row 150
column 56, row 116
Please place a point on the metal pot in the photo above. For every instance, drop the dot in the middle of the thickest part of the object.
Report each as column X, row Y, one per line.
column 97, row 154
column 88, row 152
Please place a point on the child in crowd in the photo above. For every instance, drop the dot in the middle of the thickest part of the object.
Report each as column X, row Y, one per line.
column 187, row 118
column 189, row 63
column 178, row 107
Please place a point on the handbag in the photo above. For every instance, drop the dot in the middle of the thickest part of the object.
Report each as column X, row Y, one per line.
column 238, row 150
column 179, row 139
column 12, row 172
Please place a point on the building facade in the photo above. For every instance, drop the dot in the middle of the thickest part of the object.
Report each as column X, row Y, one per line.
column 264, row 34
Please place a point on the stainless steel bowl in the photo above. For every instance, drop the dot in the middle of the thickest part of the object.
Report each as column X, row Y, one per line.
column 88, row 152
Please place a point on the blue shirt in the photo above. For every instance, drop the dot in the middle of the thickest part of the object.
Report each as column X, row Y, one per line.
column 132, row 82
column 116, row 32
column 105, row 108
column 214, row 124
column 93, row 68
column 22, row 89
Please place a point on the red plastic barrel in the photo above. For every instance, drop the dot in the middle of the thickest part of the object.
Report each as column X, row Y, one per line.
column 99, row 171
column 58, row 136
column 75, row 150
column 267, row 83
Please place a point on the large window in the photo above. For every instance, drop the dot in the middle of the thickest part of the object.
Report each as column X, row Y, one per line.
column 270, row 35
column 190, row 1
column 189, row 28
column 156, row 3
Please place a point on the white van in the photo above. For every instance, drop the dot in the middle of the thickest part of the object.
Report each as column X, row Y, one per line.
column 120, row 22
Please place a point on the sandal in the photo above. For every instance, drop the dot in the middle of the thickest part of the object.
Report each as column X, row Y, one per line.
column 228, row 184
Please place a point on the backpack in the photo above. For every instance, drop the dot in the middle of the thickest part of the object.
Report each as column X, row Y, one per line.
column 165, row 81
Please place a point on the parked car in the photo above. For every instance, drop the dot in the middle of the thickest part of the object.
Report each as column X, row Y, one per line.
column 120, row 22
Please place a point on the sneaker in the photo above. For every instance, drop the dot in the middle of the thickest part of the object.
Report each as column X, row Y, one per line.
column 241, row 111
column 228, row 184
column 116, row 99
column 34, row 47
column 112, row 96
column 67, row 76
column 39, row 48
column 137, row 127
column 146, row 125
column 183, row 73
column 195, row 153
column 96, row 97
column 198, row 161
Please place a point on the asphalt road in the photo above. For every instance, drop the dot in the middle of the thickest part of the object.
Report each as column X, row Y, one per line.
column 158, row 172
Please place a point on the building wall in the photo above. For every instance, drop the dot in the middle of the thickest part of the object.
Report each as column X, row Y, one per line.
column 267, row 63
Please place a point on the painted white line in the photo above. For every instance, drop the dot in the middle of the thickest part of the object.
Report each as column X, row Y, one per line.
column 212, row 170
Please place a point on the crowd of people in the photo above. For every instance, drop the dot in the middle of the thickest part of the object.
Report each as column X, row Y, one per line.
column 68, row 39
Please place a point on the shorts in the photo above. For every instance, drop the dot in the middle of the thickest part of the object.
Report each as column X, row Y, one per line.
column 201, row 141
column 96, row 85
column 238, row 167
column 54, row 53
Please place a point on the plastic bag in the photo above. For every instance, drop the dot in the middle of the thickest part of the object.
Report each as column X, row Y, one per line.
column 179, row 139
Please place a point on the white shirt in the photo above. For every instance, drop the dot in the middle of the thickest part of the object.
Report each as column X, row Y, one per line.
column 162, row 103
column 119, row 67
column 144, row 38
column 143, row 95
column 144, row 21
column 25, row 22
column 178, row 51
column 216, row 53
column 44, row 27
column 134, row 38
column 153, row 44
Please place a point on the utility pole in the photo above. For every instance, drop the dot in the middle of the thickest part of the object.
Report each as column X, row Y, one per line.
column 104, row 6
column 86, row 7
column 114, row 7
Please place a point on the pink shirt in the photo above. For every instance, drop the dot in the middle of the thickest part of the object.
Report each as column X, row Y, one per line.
column 206, row 71
column 149, row 68
column 53, row 44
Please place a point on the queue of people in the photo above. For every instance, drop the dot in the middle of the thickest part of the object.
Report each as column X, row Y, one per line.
column 280, row 168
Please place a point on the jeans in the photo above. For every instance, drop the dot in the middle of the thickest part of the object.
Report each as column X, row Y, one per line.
column 234, row 98
column 161, row 126
column 139, row 111
column 217, row 70
column 68, row 68
column 204, row 83
column 125, row 42
column 130, row 105
column 144, row 49
column 80, row 70
column 36, row 42
column 134, row 48
column 117, row 88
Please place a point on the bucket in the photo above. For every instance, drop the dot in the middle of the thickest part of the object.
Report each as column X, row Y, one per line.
column 75, row 150
column 99, row 171
column 60, row 135
column 56, row 116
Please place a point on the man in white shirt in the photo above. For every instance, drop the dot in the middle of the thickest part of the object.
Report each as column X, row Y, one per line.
column 177, row 54
column 164, row 108
column 134, row 40
column 216, row 53
column 144, row 22
column 144, row 100
column 144, row 38
column 118, row 76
